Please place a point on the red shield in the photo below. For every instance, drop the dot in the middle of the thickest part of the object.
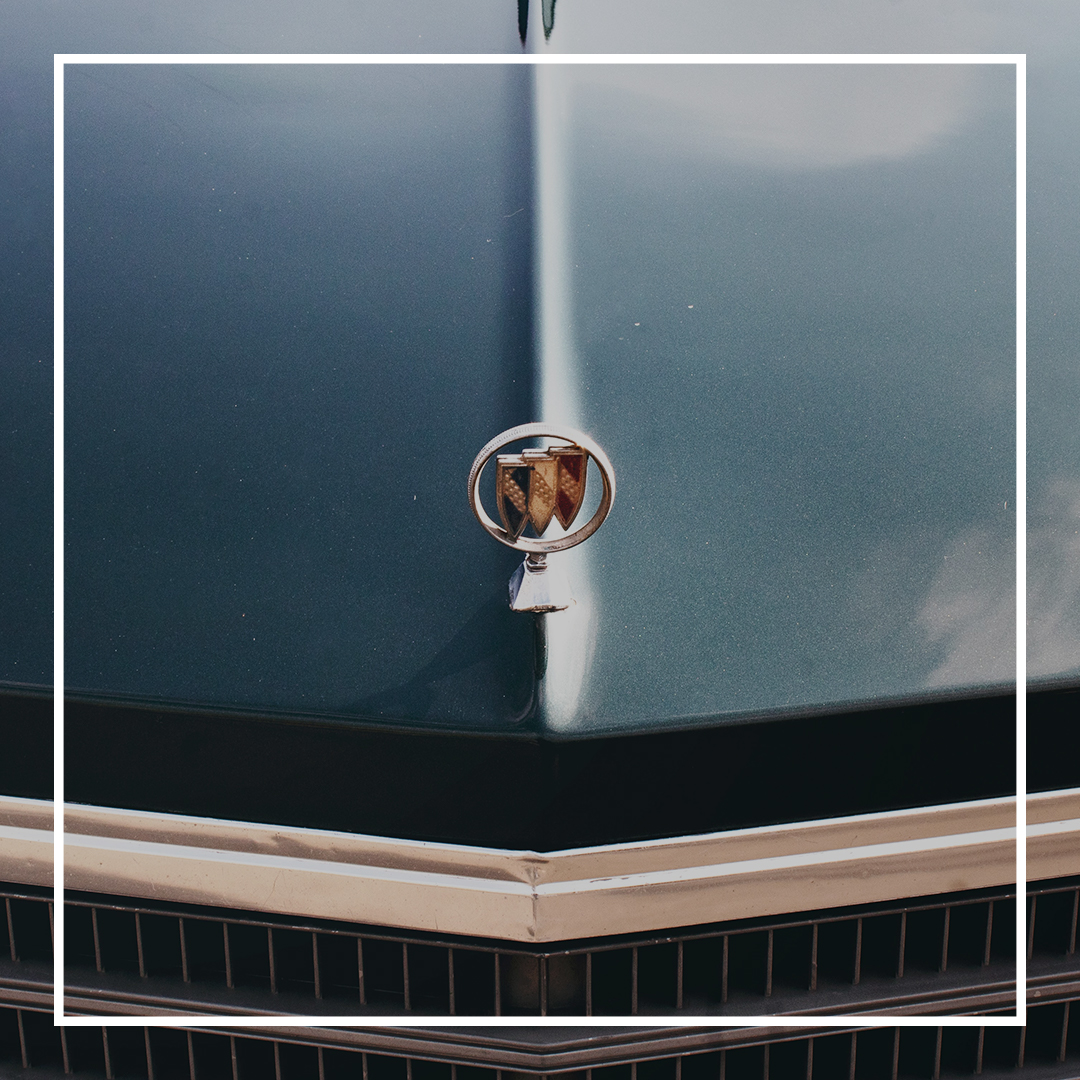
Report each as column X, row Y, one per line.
column 570, row 482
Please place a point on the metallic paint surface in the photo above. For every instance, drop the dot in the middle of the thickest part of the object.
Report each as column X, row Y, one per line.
column 969, row 576
column 279, row 331
column 792, row 312
column 296, row 296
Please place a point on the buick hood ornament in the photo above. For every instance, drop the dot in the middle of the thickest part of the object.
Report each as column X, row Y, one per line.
column 531, row 488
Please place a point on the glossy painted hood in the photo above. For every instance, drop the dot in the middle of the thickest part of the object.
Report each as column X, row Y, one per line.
column 300, row 298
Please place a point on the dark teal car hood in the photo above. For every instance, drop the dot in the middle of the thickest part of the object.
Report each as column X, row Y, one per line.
column 815, row 460
column 298, row 299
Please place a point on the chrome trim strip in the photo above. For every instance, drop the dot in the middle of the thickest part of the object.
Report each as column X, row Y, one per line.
column 26, row 841
column 541, row 897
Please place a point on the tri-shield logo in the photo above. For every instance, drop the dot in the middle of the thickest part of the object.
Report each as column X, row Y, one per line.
column 536, row 485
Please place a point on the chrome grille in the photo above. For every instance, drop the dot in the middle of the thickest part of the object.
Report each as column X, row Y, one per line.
column 888, row 954
column 789, row 960
column 27, row 1038
column 1053, row 912
column 26, row 934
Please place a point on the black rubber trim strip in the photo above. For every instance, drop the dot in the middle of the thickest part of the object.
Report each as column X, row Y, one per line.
column 531, row 792
column 26, row 742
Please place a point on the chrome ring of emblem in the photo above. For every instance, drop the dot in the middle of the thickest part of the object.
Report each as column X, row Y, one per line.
column 540, row 546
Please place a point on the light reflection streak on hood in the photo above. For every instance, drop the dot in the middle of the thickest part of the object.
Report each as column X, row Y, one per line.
column 571, row 634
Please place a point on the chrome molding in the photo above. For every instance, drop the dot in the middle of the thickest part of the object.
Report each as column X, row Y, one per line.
column 532, row 897
column 544, row 1051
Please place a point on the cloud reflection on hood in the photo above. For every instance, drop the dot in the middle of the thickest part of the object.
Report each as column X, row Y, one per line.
column 1054, row 580
column 789, row 115
column 971, row 605
column 971, row 610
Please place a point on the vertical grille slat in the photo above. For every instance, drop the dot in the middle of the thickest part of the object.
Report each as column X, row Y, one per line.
column 183, row 953
column 943, row 967
column 105, row 1051
column 857, row 975
column 1032, row 903
column 139, row 945
column 903, row 945
column 228, row 955
column 272, row 958
column 1075, row 914
column 9, row 929
column 1063, row 1045
column 24, row 1050
column 97, row 939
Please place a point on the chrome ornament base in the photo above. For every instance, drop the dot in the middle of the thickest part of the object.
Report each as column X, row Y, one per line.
column 536, row 586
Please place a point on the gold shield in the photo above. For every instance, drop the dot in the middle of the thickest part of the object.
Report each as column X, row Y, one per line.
column 542, row 487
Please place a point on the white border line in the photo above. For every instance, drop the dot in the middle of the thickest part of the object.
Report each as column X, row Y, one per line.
column 637, row 1021
column 58, row 539
column 1021, row 540
column 1017, row 59
column 537, row 58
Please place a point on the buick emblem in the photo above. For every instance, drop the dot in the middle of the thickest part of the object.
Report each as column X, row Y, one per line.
column 532, row 487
